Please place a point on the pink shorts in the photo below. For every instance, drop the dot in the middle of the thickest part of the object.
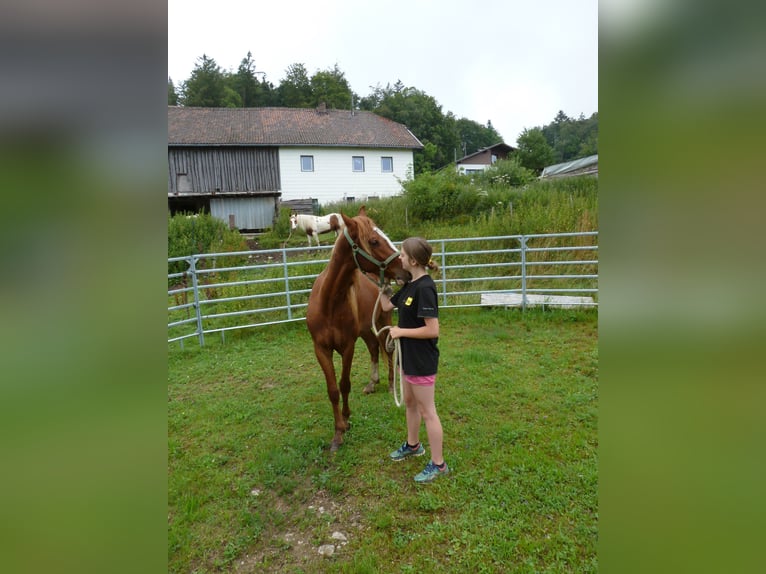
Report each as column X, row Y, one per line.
column 426, row 381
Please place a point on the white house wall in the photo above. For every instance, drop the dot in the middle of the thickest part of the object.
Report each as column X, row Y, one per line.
column 333, row 179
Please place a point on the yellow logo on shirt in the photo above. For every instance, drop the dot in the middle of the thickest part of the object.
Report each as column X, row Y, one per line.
column 408, row 302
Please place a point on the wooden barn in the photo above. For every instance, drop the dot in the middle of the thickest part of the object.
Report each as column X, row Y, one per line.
column 240, row 163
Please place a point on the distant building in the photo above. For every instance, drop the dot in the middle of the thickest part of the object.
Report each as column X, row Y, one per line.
column 483, row 159
column 582, row 166
column 239, row 163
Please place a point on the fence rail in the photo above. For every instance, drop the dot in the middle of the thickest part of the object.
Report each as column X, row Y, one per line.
column 219, row 292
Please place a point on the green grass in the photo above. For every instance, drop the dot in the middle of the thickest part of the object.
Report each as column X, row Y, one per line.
column 252, row 486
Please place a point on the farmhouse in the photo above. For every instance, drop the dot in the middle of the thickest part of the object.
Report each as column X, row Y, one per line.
column 240, row 163
column 483, row 159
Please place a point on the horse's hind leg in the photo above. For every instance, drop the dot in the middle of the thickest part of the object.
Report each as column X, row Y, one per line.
column 324, row 356
column 373, row 346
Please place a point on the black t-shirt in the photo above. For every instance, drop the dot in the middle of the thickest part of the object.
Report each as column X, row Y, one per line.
column 415, row 301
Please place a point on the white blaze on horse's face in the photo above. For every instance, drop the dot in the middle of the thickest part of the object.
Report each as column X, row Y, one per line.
column 384, row 236
column 293, row 222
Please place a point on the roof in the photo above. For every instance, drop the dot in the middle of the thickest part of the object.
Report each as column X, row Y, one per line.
column 581, row 166
column 497, row 147
column 285, row 127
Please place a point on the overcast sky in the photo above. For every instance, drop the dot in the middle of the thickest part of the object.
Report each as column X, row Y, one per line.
column 511, row 62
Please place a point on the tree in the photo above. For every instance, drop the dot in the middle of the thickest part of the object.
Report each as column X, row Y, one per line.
column 474, row 136
column 245, row 83
column 231, row 99
column 295, row 89
column 423, row 116
column 572, row 138
column 172, row 94
column 534, row 151
column 206, row 86
column 589, row 136
column 372, row 102
column 332, row 88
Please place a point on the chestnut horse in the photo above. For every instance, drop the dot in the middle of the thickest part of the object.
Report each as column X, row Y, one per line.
column 341, row 304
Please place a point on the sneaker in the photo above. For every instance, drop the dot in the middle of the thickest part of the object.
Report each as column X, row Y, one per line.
column 431, row 472
column 404, row 451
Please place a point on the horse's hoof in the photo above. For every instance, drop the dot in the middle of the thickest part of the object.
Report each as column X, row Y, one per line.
column 369, row 389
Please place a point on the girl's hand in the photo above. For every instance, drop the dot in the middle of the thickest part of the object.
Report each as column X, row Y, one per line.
column 395, row 332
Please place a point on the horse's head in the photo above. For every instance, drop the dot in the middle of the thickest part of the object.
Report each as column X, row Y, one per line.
column 293, row 221
column 372, row 250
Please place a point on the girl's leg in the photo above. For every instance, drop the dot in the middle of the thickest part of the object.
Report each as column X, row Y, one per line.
column 424, row 396
column 412, row 413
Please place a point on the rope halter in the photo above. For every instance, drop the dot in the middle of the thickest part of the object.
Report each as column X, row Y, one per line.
column 382, row 265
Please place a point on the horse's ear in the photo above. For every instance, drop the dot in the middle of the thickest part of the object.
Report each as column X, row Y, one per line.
column 362, row 211
column 347, row 220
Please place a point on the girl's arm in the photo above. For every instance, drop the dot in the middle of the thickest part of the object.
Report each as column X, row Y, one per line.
column 428, row 331
column 385, row 301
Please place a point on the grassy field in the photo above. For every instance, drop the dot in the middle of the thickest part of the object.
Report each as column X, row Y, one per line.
column 252, row 486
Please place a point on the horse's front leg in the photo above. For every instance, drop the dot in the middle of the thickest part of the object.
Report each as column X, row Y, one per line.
column 373, row 347
column 324, row 356
column 347, row 357
column 390, row 361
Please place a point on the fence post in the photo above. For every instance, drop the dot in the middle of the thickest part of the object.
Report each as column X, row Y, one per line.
column 287, row 285
column 193, row 271
column 523, row 241
column 443, row 273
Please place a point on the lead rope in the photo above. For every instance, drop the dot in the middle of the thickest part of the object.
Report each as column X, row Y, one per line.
column 397, row 351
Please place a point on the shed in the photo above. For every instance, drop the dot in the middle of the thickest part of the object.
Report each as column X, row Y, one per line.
column 582, row 166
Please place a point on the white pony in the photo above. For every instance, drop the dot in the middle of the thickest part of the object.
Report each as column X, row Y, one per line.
column 313, row 225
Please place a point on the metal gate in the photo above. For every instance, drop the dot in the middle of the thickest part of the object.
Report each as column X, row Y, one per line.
column 220, row 292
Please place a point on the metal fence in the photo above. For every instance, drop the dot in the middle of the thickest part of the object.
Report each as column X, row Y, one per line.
column 219, row 292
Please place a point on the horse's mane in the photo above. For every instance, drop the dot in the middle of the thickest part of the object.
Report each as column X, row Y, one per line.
column 365, row 229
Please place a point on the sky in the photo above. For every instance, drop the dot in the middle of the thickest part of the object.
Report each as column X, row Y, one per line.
column 514, row 63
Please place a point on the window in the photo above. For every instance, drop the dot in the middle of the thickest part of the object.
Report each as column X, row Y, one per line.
column 357, row 163
column 386, row 164
column 307, row 163
column 183, row 183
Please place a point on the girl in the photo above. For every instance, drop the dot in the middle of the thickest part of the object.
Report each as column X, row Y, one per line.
column 418, row 331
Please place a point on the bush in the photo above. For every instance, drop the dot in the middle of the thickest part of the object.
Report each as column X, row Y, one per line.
column 201, row 233
column 507, row 172
column 441, row 195
column 189, row 234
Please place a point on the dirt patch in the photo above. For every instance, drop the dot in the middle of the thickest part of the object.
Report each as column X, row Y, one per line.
column 311, row 533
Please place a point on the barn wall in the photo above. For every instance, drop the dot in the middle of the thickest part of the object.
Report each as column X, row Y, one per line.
column 249, row 213
column 222, row 169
